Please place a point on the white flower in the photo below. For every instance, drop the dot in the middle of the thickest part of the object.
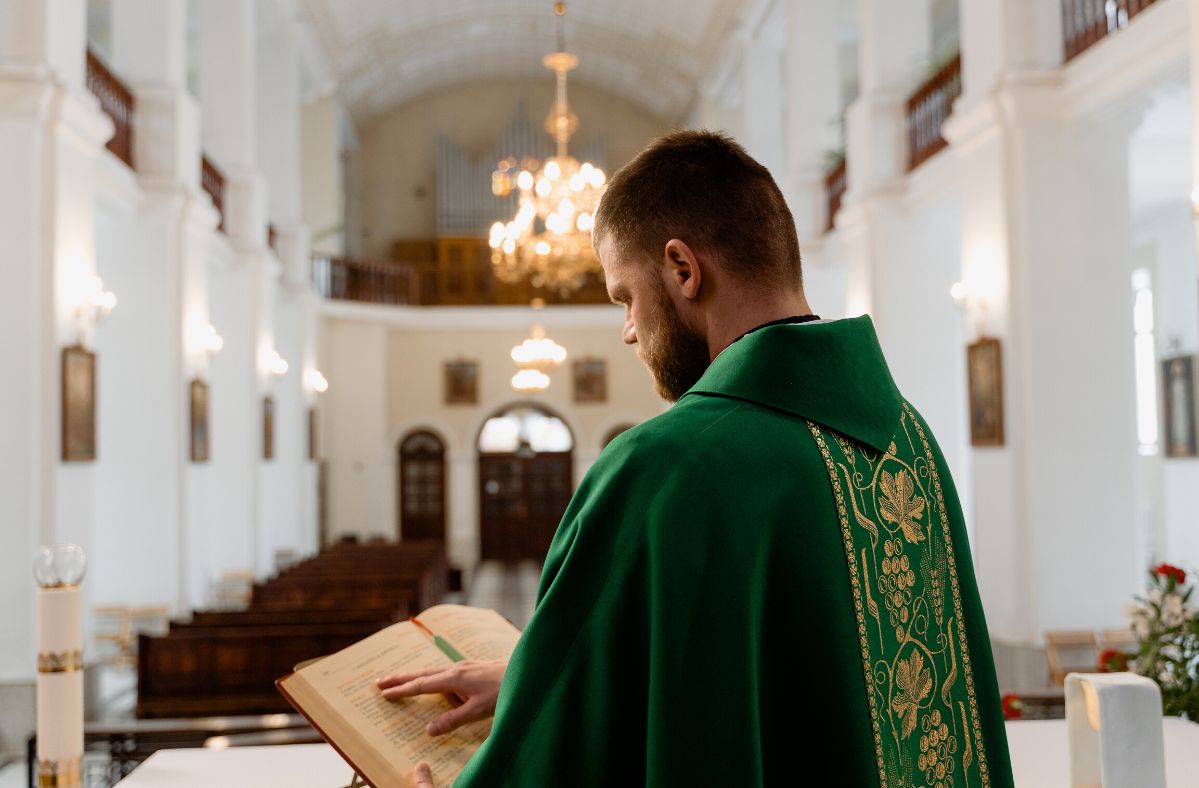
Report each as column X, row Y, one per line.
column 1154, row 596
column 1173, row 611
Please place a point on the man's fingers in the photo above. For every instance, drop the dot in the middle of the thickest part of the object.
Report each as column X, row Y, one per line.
column 470, row 711
column 403, row 678
column 422, row 777
column 424, row 685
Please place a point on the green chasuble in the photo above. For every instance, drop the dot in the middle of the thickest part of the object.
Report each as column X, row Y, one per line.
column 769, row 584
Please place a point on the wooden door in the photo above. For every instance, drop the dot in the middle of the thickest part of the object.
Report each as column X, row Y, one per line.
column 521, row 501
column 422, row 487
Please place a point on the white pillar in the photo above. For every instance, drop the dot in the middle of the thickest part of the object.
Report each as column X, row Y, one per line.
column 228, row 65
column 893, row 53
column 150, row 52
column 813, row 98
column 1045, row 239
column 51, row 136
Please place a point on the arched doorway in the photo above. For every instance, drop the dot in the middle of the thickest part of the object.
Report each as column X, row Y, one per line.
column 422, row 486
column 526, row 460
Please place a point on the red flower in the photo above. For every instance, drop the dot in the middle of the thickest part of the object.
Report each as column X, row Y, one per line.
column 1113, row 660
column 1013, row 707
column 1169, row 570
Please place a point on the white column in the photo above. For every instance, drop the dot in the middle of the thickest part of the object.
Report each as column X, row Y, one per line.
column 765, row 103
column 1045, row 240
column 228, row 62
column 51, row 136
column 150, row 52
column 813, row 110
column 893, row 53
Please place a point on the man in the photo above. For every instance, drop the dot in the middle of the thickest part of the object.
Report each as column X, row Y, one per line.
column 769, row 583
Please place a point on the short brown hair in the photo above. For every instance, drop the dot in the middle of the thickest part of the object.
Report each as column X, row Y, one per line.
column 704, row 189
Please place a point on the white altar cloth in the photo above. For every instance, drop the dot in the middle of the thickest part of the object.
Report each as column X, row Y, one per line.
column 1039, row 760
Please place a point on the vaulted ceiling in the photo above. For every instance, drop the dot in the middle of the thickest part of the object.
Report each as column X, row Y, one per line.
column 383, row 53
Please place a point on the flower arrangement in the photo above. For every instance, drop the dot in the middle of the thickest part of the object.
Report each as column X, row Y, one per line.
column 1166, row 628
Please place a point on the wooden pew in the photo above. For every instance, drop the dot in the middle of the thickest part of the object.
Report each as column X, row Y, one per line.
column 226, row 662
column 199, row 671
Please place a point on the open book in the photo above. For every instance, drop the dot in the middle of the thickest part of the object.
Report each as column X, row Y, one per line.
column 384, row 739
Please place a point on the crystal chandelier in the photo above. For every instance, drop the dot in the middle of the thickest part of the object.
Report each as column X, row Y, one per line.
column 535, row 357
column 549, row 239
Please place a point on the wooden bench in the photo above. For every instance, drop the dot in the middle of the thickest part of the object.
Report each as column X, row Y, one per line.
column 226, row 662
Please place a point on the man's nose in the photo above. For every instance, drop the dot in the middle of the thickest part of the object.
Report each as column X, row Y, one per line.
column 630, row 333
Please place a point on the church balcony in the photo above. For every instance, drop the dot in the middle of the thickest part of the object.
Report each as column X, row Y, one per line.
column 116, row 101
column 928, row 108
column 212, row 180
column 368, row 281
column 447, row 271
column 1087, row 22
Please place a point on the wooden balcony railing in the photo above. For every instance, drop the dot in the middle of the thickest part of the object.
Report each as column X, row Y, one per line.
column 928, row 108
column 212, row 181
column 116, row 100
column 1086, row 22
column 375, row 282
column 835, row 182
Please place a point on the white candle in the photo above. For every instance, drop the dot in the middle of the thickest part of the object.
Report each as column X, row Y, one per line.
column 59, row 570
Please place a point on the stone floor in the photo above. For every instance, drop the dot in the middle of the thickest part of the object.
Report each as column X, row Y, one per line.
column 510, row 589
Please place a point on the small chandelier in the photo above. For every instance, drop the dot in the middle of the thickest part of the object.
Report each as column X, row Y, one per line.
column 535, row 357
column 549, row 239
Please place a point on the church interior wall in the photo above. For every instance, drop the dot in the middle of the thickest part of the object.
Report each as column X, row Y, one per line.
column 374, row 365
column 398, row 150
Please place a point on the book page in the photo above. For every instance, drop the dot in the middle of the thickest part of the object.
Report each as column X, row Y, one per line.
column 476, row 632
column 393, row 731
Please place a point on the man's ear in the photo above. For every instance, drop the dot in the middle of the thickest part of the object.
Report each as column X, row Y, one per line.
column 683, row 269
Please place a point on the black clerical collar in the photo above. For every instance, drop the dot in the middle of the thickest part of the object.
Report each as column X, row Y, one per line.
column 781, row 322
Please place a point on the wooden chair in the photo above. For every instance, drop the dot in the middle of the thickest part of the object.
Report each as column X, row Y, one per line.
column 1071, row 651
column 1121, row 639
column 114, row 635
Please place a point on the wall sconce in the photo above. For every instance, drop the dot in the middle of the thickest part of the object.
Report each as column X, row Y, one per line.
column 95, row 304
column 317, row 381
column 210, row 341
column 278, row 365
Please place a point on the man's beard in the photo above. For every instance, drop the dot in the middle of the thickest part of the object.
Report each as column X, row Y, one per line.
column 676, row 354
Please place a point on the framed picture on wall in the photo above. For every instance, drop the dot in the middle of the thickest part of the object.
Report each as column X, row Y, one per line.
column 1178, row 407
column 984, row 370
column 268, row 428
column 591, row 380
column 78, row 404
column 461, row 382
column 198, row 402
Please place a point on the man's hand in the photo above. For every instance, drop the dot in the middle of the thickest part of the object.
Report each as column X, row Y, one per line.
column 422, row 777
column 475, row 684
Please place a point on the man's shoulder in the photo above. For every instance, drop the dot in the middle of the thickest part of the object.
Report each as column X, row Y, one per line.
column 696, row 426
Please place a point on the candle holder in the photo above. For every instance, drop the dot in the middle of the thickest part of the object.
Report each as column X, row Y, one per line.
column 59, row 569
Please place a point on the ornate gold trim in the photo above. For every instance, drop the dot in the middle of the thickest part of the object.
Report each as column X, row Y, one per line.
column 62, row 773
column 843, row 515
column 60, row 662
column 980, row 750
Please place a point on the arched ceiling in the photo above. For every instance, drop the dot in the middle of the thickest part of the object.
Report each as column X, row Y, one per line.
column 383, row 53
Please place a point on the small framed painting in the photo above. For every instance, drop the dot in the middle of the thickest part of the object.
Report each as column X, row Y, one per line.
column 591, row 380
column 78, row 404
column 461, row 382
column 268, row 428
column 984, row 369
column 1178, row 407
column 198, row 402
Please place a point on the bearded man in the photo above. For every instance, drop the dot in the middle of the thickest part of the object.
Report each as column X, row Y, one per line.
column 766, row 584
